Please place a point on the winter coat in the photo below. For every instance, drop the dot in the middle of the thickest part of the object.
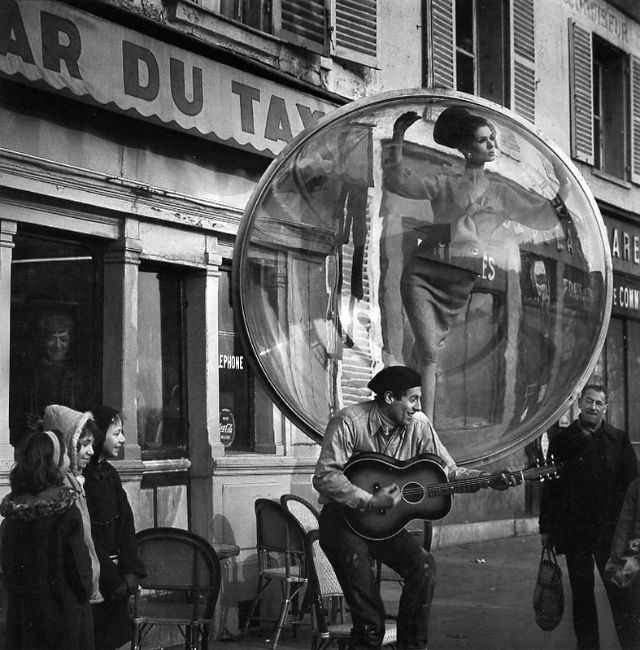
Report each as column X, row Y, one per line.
column 70, row 423
column 582, row 505
column 114, row 537
column 47, row 572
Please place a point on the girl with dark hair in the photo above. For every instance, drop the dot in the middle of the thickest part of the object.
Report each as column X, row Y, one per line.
column 113, row 532
column 479, row 216
column 45, row 561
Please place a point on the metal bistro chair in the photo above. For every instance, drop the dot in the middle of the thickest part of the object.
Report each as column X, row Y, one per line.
column 302, row 510
column 327, row 591
column 281, row 557
column 181, row 587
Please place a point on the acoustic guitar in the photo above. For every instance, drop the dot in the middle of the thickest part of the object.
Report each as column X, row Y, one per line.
column 425, row 491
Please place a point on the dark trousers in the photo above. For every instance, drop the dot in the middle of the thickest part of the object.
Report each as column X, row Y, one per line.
column 351, row 556
column 580, row 565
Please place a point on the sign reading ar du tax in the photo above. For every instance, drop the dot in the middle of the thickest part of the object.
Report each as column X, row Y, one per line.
column 98, row 61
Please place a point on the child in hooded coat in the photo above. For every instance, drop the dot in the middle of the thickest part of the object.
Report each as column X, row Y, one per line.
column 78, row 430
column 113, row 531
column 44, row 559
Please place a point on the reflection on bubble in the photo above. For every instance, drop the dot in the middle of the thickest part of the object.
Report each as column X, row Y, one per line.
column 427, row 230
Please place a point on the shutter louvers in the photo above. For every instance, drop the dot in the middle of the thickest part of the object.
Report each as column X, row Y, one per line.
column 303, row 22
column 635, row 119
column 357, row 30
column 581, row 80
column 524, row 76
column 440, row 45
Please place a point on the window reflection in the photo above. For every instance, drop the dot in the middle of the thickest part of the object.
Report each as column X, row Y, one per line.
column 160, row 377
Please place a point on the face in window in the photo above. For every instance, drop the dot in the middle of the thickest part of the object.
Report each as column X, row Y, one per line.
column 55, row 336
column 56, row 346
column 85, row 451
column 114, row 439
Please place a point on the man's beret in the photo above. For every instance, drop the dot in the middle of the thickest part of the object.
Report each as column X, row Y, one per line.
column 394, row 378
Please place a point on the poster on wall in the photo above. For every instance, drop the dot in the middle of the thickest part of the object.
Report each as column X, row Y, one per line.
column 435, row 230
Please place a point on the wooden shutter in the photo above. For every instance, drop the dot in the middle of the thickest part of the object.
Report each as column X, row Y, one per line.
column 304, row 23
column 356, row 38
column 523, row 60
column 635, row 119
column 440, row 66
column 581, row 90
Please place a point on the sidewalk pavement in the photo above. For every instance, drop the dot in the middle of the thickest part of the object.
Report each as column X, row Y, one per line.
column 483, row 601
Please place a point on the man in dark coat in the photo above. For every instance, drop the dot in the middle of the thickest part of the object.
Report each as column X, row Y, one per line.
column 579, row 510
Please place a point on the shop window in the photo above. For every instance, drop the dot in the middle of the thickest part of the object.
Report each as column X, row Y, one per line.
column 162, row 426
column 56, row 328
column 485, row 48
column 246, row 412
column 344, row 28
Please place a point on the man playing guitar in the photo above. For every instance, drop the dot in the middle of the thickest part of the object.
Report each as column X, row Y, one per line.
column 391, row 424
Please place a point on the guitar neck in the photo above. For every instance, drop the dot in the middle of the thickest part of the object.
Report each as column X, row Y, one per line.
column 472, row 483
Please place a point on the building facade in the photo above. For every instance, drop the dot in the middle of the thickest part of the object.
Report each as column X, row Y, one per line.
column 133, row 133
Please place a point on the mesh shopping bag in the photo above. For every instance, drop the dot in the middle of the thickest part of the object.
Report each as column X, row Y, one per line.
column 548, row 597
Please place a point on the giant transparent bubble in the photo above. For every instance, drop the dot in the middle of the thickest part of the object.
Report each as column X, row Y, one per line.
column 478, row 258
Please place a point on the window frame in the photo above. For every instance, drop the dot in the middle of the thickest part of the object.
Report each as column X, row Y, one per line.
column 297, row 22
column 518, row 67
column 96, row 250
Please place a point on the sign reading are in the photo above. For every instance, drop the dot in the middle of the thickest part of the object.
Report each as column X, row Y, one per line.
column 69, row 50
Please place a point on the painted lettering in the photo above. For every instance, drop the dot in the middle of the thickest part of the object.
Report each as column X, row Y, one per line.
column 278, row 126
column 231, row 362
column 309, row 117
column 488, row 267
column 626, row 246
column 54, row 29
column 626, row 297
column 615, row 243
column 140, row 71
column 247, row 96
column 179, row 89
column 13, row 35
column 600, row 16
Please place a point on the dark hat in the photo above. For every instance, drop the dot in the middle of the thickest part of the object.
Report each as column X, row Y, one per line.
column 394, row 378
column 455, row 125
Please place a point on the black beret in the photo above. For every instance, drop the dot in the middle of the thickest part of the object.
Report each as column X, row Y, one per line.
column 394, row 378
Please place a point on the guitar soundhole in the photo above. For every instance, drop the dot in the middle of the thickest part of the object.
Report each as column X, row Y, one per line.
column 413, row 492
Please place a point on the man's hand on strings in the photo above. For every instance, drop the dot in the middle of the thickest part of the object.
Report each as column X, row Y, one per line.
column 504, row 480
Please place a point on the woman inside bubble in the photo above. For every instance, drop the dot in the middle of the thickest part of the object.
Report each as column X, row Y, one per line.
column 484, row 216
